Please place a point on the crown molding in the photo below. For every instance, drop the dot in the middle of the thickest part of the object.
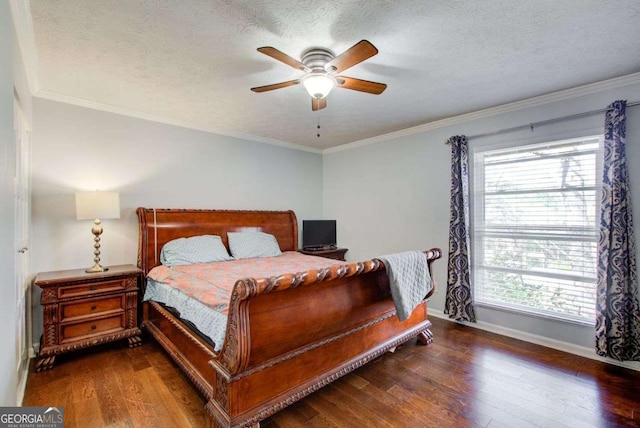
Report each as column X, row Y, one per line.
column 21, row 16
column 552, row 97
column 566, row 94
column 54, row 96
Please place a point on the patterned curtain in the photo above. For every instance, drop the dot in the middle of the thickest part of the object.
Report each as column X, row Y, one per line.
column 617, row 305
column 458, row 302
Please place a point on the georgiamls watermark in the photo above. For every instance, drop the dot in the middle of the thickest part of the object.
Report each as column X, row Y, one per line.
column 31, row 417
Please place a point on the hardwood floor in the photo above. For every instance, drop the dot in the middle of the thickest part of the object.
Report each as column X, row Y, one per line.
column 466, row 378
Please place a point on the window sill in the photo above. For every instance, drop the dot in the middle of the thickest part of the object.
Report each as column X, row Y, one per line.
column 528, row 312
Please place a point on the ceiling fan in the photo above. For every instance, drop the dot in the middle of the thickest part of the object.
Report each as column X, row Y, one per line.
column 321, row 67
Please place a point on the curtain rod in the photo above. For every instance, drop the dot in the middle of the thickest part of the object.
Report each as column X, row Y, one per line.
column 545, row 122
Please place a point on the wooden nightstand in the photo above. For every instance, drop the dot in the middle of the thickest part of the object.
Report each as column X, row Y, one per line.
column 85, row 309
column 335, row 253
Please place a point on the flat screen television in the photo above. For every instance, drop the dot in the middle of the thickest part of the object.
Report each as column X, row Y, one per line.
column 318, row 234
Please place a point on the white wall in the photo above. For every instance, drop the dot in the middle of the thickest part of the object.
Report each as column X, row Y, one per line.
column 394, row 195
column 8, row 312
column 151, row 165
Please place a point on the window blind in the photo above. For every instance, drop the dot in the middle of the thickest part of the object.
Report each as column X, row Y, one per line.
column 535, row 228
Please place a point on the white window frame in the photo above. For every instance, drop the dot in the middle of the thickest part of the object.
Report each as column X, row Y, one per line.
column 476, row 178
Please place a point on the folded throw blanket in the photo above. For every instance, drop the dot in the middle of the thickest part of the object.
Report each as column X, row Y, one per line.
column 409, row 280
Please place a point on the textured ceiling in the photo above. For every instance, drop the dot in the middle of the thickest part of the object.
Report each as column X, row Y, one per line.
column 194, row 61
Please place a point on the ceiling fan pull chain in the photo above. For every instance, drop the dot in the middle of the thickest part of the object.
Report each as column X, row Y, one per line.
column 318, row 134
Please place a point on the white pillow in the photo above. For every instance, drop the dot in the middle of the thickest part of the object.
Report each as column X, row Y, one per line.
column 246, row 245
column 196, row 249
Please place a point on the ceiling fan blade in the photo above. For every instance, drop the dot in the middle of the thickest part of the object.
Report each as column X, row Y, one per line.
column 360, row 85
column 283, row 57
column 352, row 56
column 276, row 86
column 318, row 103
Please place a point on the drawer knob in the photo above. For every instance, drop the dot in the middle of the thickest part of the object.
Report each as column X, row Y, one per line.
column 93, row 327
column 94, row 288
column 93, row 308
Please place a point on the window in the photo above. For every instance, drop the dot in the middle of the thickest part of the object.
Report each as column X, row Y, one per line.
column 535, row 228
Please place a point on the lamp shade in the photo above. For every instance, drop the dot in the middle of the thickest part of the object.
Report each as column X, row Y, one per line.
column 97, row 205
column 318, row 85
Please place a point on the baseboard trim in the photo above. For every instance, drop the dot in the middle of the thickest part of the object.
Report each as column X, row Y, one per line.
column 570, row 348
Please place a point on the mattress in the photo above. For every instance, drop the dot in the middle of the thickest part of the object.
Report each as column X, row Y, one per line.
column 201, row 293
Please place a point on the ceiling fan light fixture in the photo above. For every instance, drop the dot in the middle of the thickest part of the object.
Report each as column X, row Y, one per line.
column 318, row 85
column 322, row 66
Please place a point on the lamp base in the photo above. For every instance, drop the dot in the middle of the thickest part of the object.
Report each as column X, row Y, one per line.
column 96, row 269
column 97, row 231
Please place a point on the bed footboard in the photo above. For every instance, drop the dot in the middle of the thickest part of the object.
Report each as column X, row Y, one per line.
column 291, row 335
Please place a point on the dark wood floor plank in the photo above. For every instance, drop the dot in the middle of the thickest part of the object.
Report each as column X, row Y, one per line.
column 498, row 382
column 86, row 413
column 440, row 399
column 451, row 413
column 356, row 381
column 109, row 394
column 441, row 392
column 180, row 388
column 83, row 388
column 299, row 414
column 137, row 402
column 56, row 392
column 164, row 406
column 338, row 413
column 466, row 378
column 379, row 412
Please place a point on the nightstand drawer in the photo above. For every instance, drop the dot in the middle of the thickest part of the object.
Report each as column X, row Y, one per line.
column 73, row 310
column 113, row 323
column 91, row 288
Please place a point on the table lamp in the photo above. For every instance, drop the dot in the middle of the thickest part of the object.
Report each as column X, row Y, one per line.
column 95, row 206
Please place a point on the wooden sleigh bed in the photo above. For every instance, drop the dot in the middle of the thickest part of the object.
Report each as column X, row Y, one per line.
column 287, row 336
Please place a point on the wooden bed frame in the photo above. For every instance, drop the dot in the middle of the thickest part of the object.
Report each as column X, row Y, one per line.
column 286, row 336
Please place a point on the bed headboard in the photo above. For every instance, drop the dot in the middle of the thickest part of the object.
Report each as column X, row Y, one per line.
column 157, row 226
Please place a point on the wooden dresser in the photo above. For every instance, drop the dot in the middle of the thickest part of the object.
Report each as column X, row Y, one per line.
column 85, row 309
column 333, row 253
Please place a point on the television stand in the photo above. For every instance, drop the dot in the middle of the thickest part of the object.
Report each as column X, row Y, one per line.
column 326, row 252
